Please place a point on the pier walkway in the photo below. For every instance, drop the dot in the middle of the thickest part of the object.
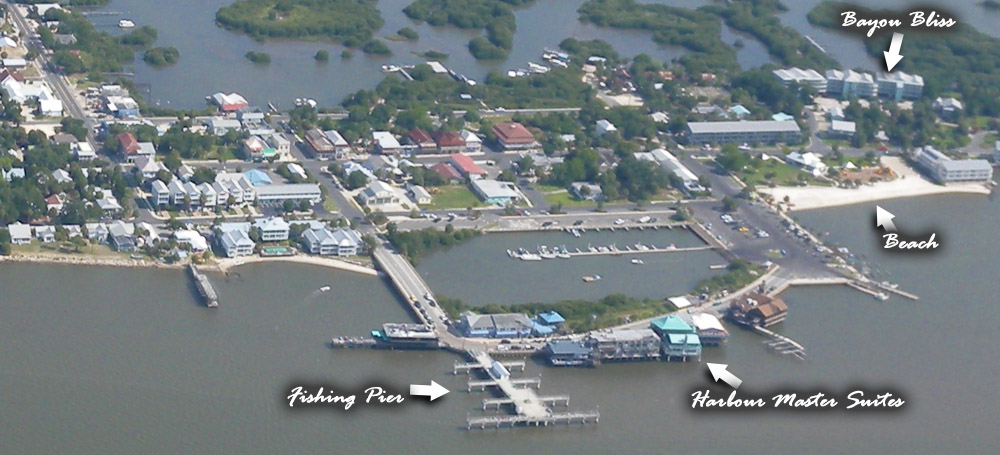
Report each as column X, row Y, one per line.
column 204, row 286
column 529, row 408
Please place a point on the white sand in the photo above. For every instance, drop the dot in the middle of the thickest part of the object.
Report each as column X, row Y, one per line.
column 908, row 184
column 224, row 264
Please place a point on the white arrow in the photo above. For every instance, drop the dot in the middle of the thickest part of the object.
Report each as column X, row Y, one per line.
column 719, row 372
column 892, row 56
column 884, row 218
column 434, row 391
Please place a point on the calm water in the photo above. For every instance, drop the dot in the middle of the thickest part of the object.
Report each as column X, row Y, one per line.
column 113, row 361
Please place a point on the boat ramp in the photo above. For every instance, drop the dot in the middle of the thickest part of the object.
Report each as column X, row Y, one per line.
column 530, row 409
column 204, row 286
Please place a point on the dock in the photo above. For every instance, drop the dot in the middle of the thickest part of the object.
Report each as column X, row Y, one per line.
column 781, row 344
column 530, row 409
column 512, row 365
column 204, row 286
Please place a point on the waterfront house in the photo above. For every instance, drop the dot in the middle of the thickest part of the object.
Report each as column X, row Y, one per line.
column 272, row 229
column 568, row 353
column 20, row 234
column 97, row 232
column 341, row 242
column 495, row 192
column 473, row 143
column 755, row 309
column 191, row 238
column 423, row 141
column 514, row 136
column 622, row 345
column 46, row 233
column 809, row 162
column 378, row 193
column 235, row 243
column 709, row 329
column 448, row 141
column 121, row 236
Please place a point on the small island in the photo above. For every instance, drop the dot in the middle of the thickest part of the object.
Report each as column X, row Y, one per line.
column 376, row 47
column 350, row 22
column 322, row 55
column 494, row 16
column 260, row 58
column 161, row 56
column 431, row 55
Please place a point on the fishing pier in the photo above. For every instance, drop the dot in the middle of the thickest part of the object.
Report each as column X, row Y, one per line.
column 530, row 409
column 204, row 287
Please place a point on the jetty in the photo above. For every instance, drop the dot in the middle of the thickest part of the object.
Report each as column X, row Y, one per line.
column 204, row 286
column 530, row 409
column 781, row 344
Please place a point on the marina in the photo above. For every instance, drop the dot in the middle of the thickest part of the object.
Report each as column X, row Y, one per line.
column 561, row 252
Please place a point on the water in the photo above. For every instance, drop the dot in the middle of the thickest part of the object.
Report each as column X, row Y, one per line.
column 116, row 361
column 481, row 273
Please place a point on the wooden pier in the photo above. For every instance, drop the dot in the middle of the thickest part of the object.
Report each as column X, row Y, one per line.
column 529, row 408
column 781, row 344
column 204, row 286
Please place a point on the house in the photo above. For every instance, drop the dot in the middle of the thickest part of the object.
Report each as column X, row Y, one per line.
column 297, row 171
column 420, row 195
column 107, row 202
column 320, row 143
column 230, row 102
column 340, row 146
column 97, row 232
column 83, row 151
column 604, row 127
column 61, row 176
column 219, row 126
column 159, row 193
column 208, row 196
column 836, row 113
column 281, row 145
column 20, row 234
column 378, row 193
column 495, row 192
column 341, row 242
column 948, row 108
column 148, row 167
column 586, row 191
column 447, row 172
column 467, row 167
column 185, row 172
column 45, row 234
column 514, row 136
column 54, row 202
column 423, row 141
column 473, row 143
column 448, row 141
column 73, row 230
column 128, row 146
column 842, row 129
column 386, row 143
column 121, row 235
column 191, row 238
column 50, row 107
column 238, row 186
column 236, row 243
column 660, row 117
column 809, row 162
column 739, row 111
column 272, row 229
column 255, row 149
column 18, row 173
column 122, row 106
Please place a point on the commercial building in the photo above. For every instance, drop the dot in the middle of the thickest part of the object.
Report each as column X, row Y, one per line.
column 449, row 141
column 623, row 345
column 809, row 162
column 946, row 170
column 757, row 310
column 842, row 129
column 406, row 336
column 473, row 143
column 467, row 167
column 850, row 84
column 495, row 192
column 296, row 192
column 673, row 165
column 750, row 132
column 679, row 340
column 378, row 193
column 320, row 143
column 340, row 145
column 386, row 143
column 230, row 102
column 514, row 136
column 504, row 325
column 709, row 329
column 804, row 77
column 423, row 141
column 569, row 353
column 898, row 86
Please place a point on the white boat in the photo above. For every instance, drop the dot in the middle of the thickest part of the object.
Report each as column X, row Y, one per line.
column 530, row 257
column 545, row 253
column 576, row 232
column 562, row 252
column 324, row 289
column 590, row 279
column 510, row 253
column 125, row 23
column 637, row 261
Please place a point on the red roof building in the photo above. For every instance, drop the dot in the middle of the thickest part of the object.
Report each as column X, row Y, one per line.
column 466, row 166
column 421, row 139
column 447, row 172
column 514, row 136
column 448, row 141
column 128, row 145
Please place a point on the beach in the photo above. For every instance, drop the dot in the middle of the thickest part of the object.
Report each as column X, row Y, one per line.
column 908, row 184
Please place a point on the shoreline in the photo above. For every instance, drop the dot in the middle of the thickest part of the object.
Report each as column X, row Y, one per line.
column 87, row 261
column 908, row 184
column 224, row 264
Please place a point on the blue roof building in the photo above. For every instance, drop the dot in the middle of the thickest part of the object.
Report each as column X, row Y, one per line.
column 551, row 318
column 782, row 117
column 258, row 177
column 671, row 324
column 739, row 111
column 681, row 346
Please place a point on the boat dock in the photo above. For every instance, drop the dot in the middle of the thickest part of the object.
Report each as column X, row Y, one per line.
column 512, row 365
column 204, row 286
column 529, row 408
column 781, row 344
column 352, row 342
column 815, row 44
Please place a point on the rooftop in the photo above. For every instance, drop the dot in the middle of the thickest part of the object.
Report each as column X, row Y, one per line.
column 744, row 126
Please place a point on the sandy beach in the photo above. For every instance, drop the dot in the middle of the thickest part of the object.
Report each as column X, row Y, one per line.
column 909, row 184
column 224, row 264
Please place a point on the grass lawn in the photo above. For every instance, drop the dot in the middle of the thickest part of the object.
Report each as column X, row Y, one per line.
column 65, row 249
column 329, row 205
column 454, row 197
column 783, row 174
column 567, row 200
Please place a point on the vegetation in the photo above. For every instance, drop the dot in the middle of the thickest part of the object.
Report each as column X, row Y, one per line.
column 494, row 16
column 454, row 197
column 738, row 274
column 580, row 315
column 376, row 47
column 94, row 51
column 161, row 56
column 408, row 33
column 260, row 58
column 432, row 55
column 351, row 22
column 322, row 55
column 965, row 61
column 990, row 4
column 418, row 244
